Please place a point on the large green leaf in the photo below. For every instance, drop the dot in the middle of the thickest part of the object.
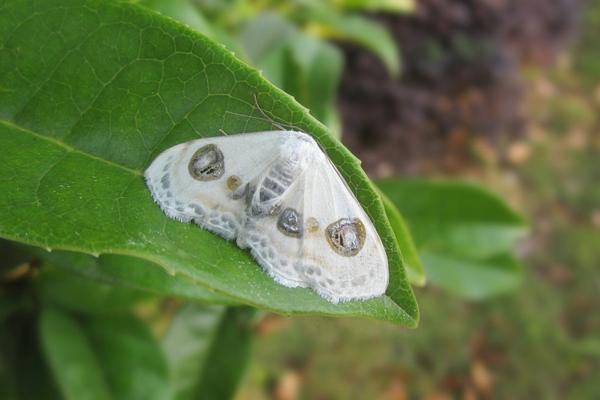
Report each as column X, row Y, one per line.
column 208, row 349
column 103, row 357
column 464, row 234
column 91, row 91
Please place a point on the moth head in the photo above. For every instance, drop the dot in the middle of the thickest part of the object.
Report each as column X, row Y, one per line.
column 346, row 236
column 207, row 163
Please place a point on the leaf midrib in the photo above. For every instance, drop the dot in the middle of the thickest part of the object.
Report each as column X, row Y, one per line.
column 69, row 148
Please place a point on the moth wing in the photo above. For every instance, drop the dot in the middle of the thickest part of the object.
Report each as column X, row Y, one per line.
column 215, row 203
column 342, row 277
column 319, row 196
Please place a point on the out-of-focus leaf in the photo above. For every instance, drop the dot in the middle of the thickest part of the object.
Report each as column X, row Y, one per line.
column 464, row 234
column 71, row 357
column 134, row 273
column 24, row 374
column 73, row 292
column 357, row 29
column 410, row 256
column 305, row 67
column 317, row 81
column 103, row 357
column 265, row 34
column 131, row 359
column 208, row 349
column 455, row 216
column 473, row 279
column 117, row 85
column 389, row 6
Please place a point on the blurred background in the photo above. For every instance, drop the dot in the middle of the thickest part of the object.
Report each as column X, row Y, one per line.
column 504, row 93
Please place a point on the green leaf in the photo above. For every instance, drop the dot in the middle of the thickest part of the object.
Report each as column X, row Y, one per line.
column 132, row 360
column 359, row 30
column 473, row 279
column 71, row 358
column 455, row 216
column 103, row 357
column 24, row 373
column 189, row 13
column 134, row 273
column 464, row 234
column 208, row 349
column 410, row 257
column 91, row 92
column 76, row 293
column 305, row 67
column 390, row 6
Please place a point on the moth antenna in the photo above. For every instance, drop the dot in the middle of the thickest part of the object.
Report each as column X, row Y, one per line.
column 271, row 120
column 223, row 132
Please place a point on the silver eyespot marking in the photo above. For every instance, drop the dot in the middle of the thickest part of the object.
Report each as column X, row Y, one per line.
column 346, row 236
column 233, row 183
column 290, row 223
column 312, row 225
column 207, row 163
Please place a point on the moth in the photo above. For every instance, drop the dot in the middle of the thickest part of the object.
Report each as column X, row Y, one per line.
column 277, row 194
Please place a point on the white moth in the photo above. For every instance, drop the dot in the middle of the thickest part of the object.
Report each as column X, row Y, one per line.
column 279, row 195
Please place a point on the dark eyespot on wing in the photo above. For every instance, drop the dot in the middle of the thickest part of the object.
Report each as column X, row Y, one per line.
column 207, row 163
column 346, row 236
column 290, row 223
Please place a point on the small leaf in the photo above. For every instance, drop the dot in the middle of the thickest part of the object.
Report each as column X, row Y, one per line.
column 305, row 67
column 359, row 30
column 118, row 84
column 103, row 357
column 389, row 6
column 208, row 349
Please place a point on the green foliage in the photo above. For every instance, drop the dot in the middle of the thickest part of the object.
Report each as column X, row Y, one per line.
column 465, row 235
column 103, row 357
column 410, row 257
column 208, row 350
column 133, row 273
column 137, row 81
column 285, row 40
column 356, row 29
column 391, row 6
column 303, row 66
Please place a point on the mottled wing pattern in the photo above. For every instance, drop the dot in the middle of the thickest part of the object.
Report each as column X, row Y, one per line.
column 280, row 196
column 213, row 203
column 320, row 199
